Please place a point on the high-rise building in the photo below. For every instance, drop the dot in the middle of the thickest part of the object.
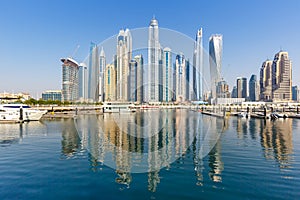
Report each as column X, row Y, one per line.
column 139, row 79
column 110, row 80
column 215, row 61
column 223, row 89
column 54, row 95
column 124, row 51
column 266, row 81
column 83, row 82
column 167, row 75
column 154, row 57
column 93, row 70
column 295, row 93
column 180, row 67
column 196, row 93
column 234, row 92
column 70, row 79
column 132, row 81
column 241, row 84
column 188, row 86
column 102, row 64
column 282, row 77
column 253, row 88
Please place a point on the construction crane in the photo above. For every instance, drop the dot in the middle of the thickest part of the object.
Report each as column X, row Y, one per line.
column 75, row 51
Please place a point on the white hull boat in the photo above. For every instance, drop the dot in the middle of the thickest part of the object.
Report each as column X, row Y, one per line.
column 21, row 112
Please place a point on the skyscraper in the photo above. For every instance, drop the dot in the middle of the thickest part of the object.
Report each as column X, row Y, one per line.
column 215, row 59
column 70, row 79
column 253, row 88
column 124, row 50
column 295, row 93
column 132, row 81
column 167, row 75
column 197, row 73
column 154, row 54
column 93, row 70
column 266, row 81
column 102, row 64
column 180, row 67
column 241, row 84
column 83, row 82
column 223, row 89
column 234, row 92
column 110, row 82
column 140, row 79
column 282, row 77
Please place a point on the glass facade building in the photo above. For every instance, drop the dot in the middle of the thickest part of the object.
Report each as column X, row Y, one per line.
column 124, row 51
column 70, row 80
column 215, row 62
column 93, row 70
column 241, row 84
column 54, row 95
column 167, row 75
column 197, row 73
column 154, row 55
column 253, row 88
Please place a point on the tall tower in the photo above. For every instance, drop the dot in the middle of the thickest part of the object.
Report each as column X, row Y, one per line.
column 215, row 61
column 124, row 50
column 197, row 92
column 167, row 75
column 139, row 79
column 83, row 82
column 93, row 81
column 266, row 81
column 253, row 88
column 181, row 81
column 102, row 64
column 282, row 77
column 153, row 61
column 70, row 79
column 132, row 81
column 110, row 82
column 241, row 84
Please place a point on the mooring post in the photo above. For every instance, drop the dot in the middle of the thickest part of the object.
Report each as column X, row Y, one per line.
column 21, row 114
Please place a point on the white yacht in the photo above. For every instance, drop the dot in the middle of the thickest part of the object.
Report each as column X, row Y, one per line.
column 28, row 113
column 9, row 116
column 118, row 107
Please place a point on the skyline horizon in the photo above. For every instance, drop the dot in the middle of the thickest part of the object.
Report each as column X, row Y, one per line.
column 231, row 68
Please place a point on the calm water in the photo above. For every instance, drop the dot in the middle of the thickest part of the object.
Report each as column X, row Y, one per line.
column 150, row 155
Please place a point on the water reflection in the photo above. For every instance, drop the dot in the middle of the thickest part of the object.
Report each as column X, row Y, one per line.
column 146, row 141
column 14, row 133
column 275, row 137
column 152, row 140
column 70, row 140
column 201, row 148
column 276, row 140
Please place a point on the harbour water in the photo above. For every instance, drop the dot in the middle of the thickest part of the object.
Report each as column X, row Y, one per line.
column 170, row 154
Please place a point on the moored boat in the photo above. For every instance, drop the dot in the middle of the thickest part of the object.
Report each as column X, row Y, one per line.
column 22, row 111
column 118, row 107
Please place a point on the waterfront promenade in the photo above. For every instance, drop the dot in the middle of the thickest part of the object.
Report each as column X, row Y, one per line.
column 215, row 110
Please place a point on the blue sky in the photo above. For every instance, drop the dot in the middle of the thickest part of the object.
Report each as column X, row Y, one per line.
column 34, row 35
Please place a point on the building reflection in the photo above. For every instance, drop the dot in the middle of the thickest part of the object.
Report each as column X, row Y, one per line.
column 215, row 163
column 13, row 133
column 207, row 143
column 145, row 141
column 70, row 140
column 276, row 140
